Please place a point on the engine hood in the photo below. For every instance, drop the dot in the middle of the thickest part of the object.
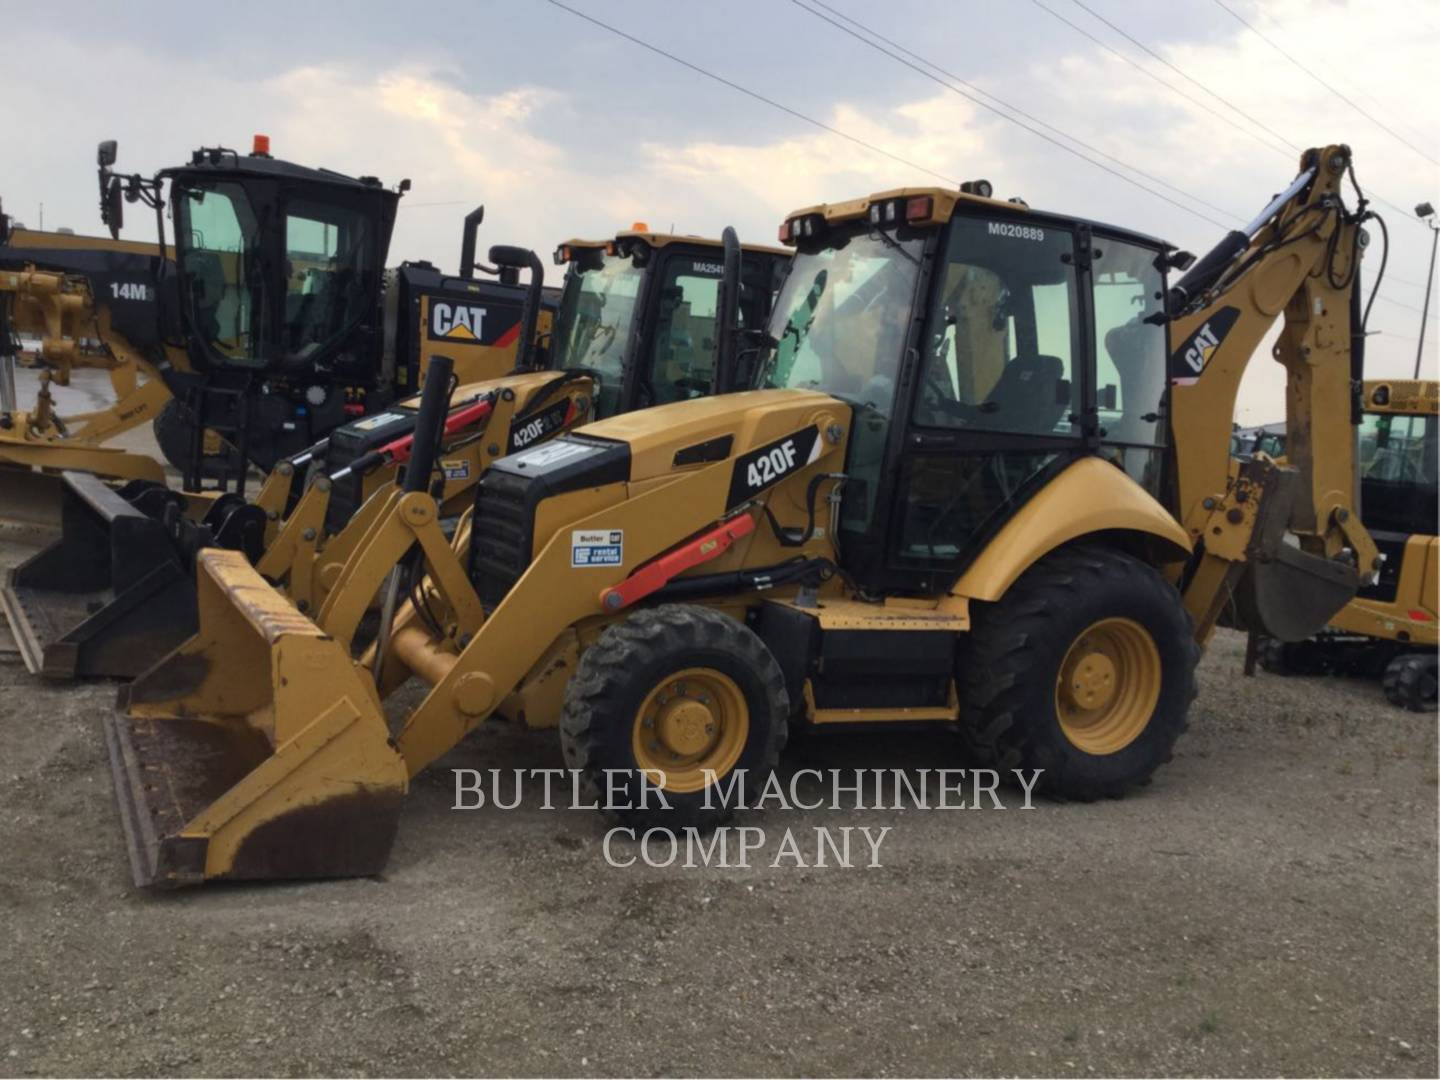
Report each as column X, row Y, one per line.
column 702, row 431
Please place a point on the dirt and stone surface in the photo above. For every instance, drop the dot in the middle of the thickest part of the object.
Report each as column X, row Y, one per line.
column 1266, row 906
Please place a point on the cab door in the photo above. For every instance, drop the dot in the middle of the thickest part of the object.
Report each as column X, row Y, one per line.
column 996, row 404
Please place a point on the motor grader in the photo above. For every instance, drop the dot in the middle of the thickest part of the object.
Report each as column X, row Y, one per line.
column 84, row 302
column 983, row 482
column 638, row 323
column 276, row 320
column 1389, row 630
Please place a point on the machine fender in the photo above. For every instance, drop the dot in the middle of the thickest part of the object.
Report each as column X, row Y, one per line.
column 1091, row 496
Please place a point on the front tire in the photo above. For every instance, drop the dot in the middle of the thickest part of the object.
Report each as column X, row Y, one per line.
column 674, row 690
column 1084, row 669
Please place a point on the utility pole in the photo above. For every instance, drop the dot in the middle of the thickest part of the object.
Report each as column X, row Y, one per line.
column 1426, row 213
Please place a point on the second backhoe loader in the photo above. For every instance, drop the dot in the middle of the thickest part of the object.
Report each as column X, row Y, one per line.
column 983, row 482
column 1389, row 631
column 637, row 324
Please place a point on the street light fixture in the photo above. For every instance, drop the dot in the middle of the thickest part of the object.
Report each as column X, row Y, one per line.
column 1426, row 213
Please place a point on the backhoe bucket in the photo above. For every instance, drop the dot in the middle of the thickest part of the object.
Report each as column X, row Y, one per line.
column 1293, row 595
column 255, row 750
column 1284, row 592
column 107, row 598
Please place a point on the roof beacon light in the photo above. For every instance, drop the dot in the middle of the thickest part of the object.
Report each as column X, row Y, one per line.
column 260, row 146
column 983, row 188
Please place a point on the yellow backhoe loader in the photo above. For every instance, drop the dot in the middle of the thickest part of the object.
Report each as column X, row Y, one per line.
column 984, row 482
column 1389, row 630
column 637, row 324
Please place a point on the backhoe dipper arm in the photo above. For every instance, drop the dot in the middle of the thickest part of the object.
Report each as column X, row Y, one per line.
column 1300, row 257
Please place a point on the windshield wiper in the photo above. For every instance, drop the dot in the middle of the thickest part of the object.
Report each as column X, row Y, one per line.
column 890, row 242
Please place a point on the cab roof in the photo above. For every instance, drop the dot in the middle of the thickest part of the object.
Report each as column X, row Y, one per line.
column 943, row 204
column 659, row 240
column 1413, row 396
column 221, row 161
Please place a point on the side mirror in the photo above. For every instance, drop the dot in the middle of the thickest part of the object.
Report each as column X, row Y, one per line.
column 1175, row 259
column 105, row 153
column 507, row 255
column 112, row 209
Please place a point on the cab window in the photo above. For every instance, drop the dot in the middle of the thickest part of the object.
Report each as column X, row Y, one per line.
column 1130, row 355
column 218, row 244
column 683, row 354
column 328, row 263
column 1001, row 341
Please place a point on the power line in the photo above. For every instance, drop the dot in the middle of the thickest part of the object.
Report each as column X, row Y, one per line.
column 1016, row 109
column 1408, row 307
column 751, row 93
column 1168, row 86
column 1376, row 196
column 1141, row 45
column 986, row 105
column 1326, row 85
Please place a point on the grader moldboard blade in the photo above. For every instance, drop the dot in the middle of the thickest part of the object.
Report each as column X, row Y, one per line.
column 107, row 597
column 255, row 750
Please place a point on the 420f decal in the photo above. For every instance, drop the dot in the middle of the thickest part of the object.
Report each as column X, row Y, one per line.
column 766, row 465
column 529, row 430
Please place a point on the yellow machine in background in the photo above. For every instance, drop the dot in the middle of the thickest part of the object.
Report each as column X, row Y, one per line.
column 85, row 302
column 950, row 499
column 1389, row 631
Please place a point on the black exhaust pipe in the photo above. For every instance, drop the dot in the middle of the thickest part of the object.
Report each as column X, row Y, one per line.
column 467, row 241
column 727, row 317
column 517, row 258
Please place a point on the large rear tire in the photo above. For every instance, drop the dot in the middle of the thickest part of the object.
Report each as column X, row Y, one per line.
column 674, row 690
column 1084, row 669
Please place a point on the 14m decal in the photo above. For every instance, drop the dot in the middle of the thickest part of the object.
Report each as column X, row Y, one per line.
column 766, row 465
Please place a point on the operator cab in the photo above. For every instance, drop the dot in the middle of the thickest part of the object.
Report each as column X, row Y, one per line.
column 984, row 347
column 652, row 297
column 280, row 266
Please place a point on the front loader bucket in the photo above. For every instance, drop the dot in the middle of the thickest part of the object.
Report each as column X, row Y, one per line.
column 108, row 598
column 255, row 750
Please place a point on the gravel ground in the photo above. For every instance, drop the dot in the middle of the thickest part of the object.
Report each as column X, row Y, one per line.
column 1267, row 906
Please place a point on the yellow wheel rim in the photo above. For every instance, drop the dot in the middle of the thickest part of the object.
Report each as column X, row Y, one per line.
column 693, row 721
column 1108, row 686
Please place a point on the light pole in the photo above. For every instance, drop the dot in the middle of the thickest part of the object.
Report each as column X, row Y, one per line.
column 1426, row 213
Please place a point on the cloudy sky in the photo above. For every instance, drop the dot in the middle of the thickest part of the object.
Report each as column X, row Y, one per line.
column 561, row 128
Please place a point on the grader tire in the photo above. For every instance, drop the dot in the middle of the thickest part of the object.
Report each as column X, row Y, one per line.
column 678, row 688
column 1037, row 665
column 1410, row 682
